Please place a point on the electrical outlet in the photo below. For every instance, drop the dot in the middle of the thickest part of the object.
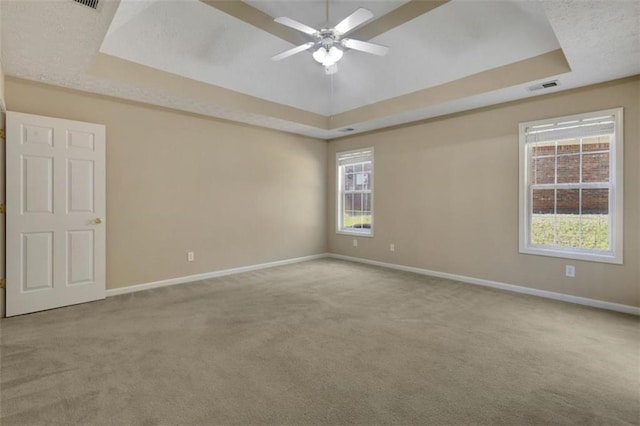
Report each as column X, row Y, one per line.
column 355, row 242
column 191, row 256
column 392, row 247
column 570, row 271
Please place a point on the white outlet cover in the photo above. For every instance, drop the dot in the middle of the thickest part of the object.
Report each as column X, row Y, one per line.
column 570, row 271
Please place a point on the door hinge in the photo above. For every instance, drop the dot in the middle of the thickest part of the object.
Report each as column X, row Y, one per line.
column 1, row 133
column 3, row 209
column 2, row 283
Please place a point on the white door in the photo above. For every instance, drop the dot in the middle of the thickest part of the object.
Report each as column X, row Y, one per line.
column 55, row 211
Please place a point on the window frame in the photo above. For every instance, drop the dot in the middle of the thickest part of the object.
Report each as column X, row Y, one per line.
column 339, row 195
column 616, row 194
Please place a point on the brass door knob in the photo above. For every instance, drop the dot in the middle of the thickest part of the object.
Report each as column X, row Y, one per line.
column 97, row 221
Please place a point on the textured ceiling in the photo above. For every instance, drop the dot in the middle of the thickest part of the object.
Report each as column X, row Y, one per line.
column 188, row 55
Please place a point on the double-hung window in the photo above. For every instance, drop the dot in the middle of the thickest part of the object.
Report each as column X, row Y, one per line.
column 571, row 187
column 355, row 192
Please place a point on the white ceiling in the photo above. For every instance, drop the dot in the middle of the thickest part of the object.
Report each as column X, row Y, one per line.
column 57, row 41
column 425, row 52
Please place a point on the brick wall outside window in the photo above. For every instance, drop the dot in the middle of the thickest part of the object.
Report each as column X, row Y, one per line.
column 595, row 168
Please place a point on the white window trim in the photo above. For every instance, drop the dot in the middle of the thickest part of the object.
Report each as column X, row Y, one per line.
column 616, row 197
column 340, row 231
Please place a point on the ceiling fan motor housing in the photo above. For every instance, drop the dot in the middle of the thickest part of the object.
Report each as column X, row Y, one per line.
column 327, row 38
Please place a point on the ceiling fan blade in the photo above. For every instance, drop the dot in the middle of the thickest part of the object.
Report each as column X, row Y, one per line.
column 293, row 51
column 365, row 46
column 354, row 20
column 291, row 23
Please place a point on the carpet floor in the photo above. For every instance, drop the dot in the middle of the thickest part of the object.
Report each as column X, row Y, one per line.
column 321, row 342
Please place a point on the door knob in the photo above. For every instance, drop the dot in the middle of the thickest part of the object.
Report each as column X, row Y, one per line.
column 97, row 221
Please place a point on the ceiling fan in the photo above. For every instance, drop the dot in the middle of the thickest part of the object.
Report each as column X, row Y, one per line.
column 330, row 41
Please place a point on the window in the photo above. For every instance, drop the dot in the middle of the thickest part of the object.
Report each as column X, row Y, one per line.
column 571, row 187
column 355, row 192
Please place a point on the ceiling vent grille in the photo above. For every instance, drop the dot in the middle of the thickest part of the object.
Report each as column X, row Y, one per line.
column 545, row 85
column 93, row 4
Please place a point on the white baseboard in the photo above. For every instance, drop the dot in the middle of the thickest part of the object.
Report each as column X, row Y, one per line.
column 207, row 275
column 618, row 307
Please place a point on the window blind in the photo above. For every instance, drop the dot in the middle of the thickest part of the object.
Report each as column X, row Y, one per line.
column 590, row 127
column 354, row 157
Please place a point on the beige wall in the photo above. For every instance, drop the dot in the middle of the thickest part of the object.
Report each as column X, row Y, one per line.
column 446, row 194
column 2, row 103
column 2, row 223
column 239, row 195
column 235, row 195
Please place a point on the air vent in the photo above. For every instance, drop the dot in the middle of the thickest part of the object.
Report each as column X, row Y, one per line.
column 346, row 130
column 546, row 85
column 93, row 4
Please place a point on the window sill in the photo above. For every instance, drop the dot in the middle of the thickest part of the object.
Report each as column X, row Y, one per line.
column 589, row 257
column 355, row 233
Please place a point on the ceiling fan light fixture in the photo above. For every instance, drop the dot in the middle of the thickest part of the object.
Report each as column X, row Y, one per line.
column 335, row 54
column 327, row 56
column 320, row 55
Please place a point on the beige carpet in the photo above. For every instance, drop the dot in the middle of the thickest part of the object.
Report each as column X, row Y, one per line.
column 321, row 342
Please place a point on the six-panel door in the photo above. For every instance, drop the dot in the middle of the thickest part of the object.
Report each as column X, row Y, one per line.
column 55, row 212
